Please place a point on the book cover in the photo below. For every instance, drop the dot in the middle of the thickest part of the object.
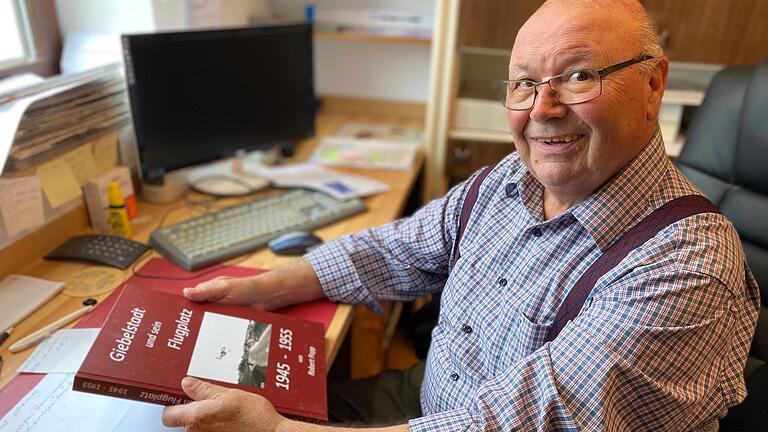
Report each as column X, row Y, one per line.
column 152, row 340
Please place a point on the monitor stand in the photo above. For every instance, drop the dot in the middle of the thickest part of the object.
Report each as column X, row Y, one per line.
column 225, row 179
column 222, row 178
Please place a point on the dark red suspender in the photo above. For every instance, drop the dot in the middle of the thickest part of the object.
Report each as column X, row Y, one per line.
column 466, row 210
column 662, row 217
column 669, row 213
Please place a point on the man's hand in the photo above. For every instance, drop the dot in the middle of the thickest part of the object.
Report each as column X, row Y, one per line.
column 219, row 408
column 229, row 290
column 289, row 284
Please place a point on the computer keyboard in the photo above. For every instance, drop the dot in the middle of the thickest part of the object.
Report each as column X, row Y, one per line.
column 225, row 233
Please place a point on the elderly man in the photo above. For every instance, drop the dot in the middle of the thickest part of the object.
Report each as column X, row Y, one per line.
column 661, row 341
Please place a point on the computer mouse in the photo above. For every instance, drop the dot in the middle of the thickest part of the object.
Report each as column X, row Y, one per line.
column 293, row 243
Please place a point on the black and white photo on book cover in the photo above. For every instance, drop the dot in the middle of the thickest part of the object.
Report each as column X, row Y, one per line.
column 233, row 350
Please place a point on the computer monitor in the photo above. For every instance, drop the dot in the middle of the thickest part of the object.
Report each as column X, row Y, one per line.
column 198, row 96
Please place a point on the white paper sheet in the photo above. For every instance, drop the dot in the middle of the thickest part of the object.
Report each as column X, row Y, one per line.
column 53, row 406
column 143, row 417
column 15, row 82
column 21, row 204
column 334, row 183
column 63, row 352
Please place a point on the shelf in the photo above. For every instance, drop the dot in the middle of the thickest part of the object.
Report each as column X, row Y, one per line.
column 370, row 37
column 480, row 135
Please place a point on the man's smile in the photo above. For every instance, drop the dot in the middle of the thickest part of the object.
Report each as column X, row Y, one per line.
column 556, row 144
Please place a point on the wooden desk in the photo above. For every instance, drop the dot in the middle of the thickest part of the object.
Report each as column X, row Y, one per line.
column 25, row 256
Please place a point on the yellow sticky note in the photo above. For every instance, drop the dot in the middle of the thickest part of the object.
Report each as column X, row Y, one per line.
column 82, row 163
column 105, row 152
column 59, row 183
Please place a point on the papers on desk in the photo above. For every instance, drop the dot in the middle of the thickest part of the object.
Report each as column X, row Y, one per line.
column 63, row 352
column 59, row 112
column 366, row 145
column 53, row 406
column 337, row 184
column 22, row 295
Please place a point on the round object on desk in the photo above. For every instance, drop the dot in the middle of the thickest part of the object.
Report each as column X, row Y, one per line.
column 92, row 282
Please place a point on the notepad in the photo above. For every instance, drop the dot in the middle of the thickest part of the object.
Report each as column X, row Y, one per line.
column 22, row 295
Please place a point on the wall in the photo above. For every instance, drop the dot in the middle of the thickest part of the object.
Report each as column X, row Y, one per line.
column 105, row 16
column 372, row 70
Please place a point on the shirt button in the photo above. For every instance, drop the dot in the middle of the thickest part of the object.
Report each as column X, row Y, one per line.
column 502, row 282
column 511, row 190
column 454, row 376
column 466, row 329
column 536, row 232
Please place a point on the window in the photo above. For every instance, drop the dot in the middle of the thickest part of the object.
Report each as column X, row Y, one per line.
column 15, row 32
column 29, row 37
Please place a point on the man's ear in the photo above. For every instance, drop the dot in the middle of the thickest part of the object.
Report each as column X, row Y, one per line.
column 657, row 82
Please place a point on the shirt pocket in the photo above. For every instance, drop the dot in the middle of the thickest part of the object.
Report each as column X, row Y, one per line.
column 521, row 338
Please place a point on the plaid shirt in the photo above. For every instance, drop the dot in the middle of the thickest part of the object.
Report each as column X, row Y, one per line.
column 660, row 344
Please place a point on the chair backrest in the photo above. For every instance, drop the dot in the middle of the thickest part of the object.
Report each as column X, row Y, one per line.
column 726, row 156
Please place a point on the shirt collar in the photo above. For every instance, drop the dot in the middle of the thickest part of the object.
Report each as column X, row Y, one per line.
column 623, row 200
column 615, row 207
column 523, row 185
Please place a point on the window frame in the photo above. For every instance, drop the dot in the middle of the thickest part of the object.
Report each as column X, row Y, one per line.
column 45, row 43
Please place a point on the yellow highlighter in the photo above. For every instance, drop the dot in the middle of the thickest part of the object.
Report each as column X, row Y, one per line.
column 118, row 215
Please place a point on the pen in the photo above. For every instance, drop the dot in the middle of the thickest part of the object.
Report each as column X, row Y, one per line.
column 46, row 331
column 5, row 334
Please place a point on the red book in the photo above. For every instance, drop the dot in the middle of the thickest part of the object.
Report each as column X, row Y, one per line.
column 152, row 340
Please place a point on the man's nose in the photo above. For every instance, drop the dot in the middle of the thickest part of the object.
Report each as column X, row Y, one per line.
column 546, row 106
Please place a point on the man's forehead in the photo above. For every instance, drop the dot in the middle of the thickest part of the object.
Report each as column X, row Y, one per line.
column 557, row 41
column 554, row 61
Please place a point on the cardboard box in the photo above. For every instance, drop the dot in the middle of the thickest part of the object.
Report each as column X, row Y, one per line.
column 95, row 192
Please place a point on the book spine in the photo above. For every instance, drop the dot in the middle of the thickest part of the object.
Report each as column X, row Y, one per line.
column 109, row 388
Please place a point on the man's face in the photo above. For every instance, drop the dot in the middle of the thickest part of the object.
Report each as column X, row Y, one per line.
column 573, row 149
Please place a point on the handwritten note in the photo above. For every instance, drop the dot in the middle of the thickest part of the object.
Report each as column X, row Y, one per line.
column 82, row 163
column 21, row 203
column 63, row 352
column 105, row 152
column 53, row 406
column 59, row 183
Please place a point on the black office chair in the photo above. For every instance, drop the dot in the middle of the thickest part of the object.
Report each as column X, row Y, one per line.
column 726, row 156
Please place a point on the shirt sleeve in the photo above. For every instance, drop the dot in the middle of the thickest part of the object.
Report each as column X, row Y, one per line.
column 647, row 353
column 402, row 260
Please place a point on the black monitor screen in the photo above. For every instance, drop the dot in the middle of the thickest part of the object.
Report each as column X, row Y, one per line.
column 203, row 95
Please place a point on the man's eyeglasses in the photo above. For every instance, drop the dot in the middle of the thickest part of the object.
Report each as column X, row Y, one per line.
column 571, row 87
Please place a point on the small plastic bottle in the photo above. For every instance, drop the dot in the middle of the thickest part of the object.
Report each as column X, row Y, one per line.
column 118, row 215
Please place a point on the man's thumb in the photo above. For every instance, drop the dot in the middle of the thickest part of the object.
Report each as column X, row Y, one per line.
column 197, row 389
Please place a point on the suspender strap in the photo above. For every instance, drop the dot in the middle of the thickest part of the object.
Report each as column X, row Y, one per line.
column 466, row 210
column 662, row 217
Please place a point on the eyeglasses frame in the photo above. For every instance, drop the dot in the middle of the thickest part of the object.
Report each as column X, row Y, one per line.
column 600, row 73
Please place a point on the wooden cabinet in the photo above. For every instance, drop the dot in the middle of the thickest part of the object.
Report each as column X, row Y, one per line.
column 705, row 31
column 712, row 31
column 493, row 23
column 465, row 157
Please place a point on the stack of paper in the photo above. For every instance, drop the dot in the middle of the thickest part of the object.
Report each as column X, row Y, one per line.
column 370, row 146
column 338, row 185
column 50, row 116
